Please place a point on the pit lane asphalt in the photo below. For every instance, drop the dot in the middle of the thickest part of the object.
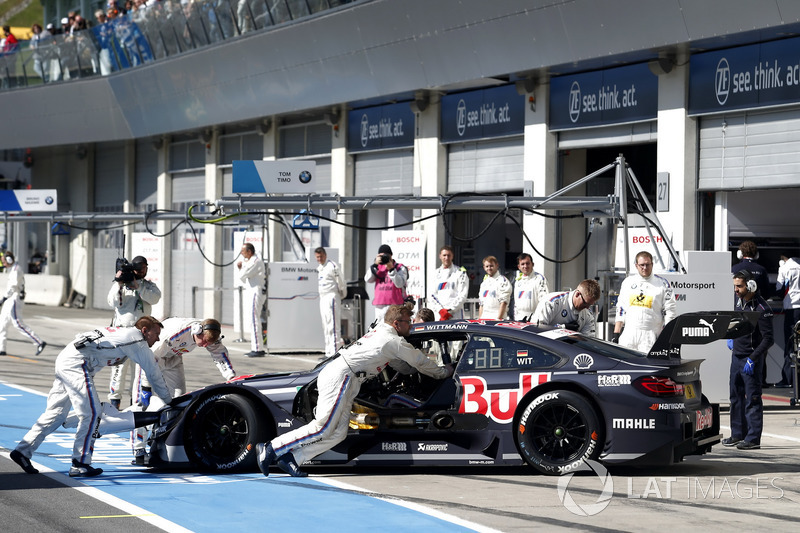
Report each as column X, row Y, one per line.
column 726, row 488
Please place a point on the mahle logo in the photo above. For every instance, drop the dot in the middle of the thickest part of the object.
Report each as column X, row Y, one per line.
column 722, row 81
column 575, row 101
column 587, row 509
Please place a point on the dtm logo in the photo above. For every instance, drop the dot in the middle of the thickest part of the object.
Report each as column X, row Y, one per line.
column 500, row 404
column 461, row 117
column 575, row 102
column 364, row 130
column 723, row 81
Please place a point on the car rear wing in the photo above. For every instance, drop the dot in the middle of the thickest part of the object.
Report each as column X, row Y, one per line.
column 701, row 328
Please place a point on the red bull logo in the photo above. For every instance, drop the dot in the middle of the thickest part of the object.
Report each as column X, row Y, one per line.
column 497, row 404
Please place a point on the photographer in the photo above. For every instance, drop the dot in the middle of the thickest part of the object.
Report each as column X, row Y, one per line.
column 390, row 281
column 131, row 296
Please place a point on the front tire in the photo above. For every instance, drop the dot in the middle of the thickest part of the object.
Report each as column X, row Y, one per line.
column 223, row 434
column 557, row 431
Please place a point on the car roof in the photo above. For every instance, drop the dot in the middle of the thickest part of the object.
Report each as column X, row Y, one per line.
column 506, row 328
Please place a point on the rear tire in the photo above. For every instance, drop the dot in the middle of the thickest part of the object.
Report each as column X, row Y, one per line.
column 223, row 434
column 557, row 431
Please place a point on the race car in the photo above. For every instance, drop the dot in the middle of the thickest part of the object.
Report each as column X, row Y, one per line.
column 521, row 394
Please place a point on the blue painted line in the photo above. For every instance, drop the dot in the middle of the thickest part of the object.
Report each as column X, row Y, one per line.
column 207, row 502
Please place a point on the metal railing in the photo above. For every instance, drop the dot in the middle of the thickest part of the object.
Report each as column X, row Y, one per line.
column 160, row 30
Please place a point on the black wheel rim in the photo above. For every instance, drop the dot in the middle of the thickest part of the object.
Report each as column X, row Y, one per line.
column 559, row 432
column 223, row 431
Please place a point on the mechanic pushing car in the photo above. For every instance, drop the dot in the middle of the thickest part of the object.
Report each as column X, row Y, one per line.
column 74, row 386
column 338, row 385
column 179, row 337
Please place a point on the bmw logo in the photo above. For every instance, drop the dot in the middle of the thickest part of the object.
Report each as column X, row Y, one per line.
column 48, row 200
column 564, row 313
column 305, row 176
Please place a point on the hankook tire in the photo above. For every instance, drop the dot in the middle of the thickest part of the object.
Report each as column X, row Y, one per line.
column 556, row 431
column 223, row 434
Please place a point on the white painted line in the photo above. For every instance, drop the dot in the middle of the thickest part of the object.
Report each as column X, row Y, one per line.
column 99, row 495
column 412, row 506
column 24, row 389
column 771, row 435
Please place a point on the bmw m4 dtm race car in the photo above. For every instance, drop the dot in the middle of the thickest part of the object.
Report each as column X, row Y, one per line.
column 520, row 395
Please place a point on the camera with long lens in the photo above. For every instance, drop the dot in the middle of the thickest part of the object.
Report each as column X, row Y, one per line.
column 125, row 269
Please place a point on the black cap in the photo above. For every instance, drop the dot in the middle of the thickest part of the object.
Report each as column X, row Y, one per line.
column 385, row 249
column 138, row 261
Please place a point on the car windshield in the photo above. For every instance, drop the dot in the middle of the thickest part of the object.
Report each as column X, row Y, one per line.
column 608, row 349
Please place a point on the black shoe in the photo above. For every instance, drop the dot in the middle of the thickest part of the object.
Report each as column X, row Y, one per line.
column 138, row 460
column 747, row 445
column 83, row 470
column 3, row 353
column 287, row 463
column 259, row 353
column 731, row 441
column 23, row 462
column 40, row 348
column 265, row 457
column 782, row 385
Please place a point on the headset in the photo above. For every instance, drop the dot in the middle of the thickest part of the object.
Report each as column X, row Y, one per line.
column 751, row 284
column 198, row 328
column 740, row 255
column 9, row 257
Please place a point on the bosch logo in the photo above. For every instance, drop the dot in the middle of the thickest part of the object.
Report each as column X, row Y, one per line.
column 575, row 102
column 305, row 176
column 461, row 117
column 364, row 130
column 722, row 81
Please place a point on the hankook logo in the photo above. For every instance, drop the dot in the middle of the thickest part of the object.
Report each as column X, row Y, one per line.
column 575, row 101
column 461, row 117
column 364, row 130
column 723, row 81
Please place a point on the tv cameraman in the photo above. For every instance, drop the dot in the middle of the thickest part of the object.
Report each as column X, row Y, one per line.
column 132, row 297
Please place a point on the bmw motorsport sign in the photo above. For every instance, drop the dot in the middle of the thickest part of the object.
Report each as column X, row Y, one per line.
column 29, row 200
column 267, row 177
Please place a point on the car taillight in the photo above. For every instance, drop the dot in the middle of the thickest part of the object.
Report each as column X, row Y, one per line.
column 658, row 386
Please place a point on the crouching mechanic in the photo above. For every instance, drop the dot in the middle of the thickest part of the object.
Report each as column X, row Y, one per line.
column 74, row 386
column 339, row 383
column 178, row 337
